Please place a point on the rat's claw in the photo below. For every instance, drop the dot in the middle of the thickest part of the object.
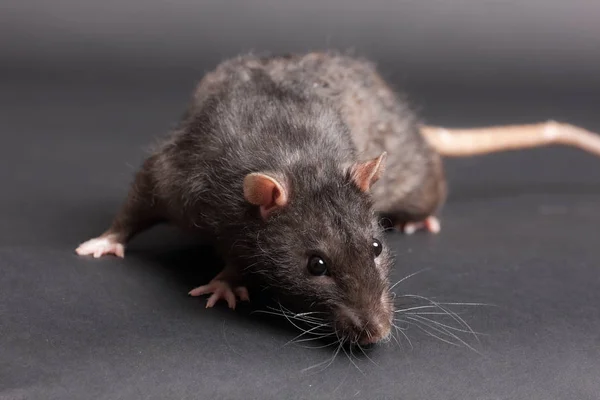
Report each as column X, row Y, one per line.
column 220, row 290
column 431, row 224
column 100, row 246
column 226, row 295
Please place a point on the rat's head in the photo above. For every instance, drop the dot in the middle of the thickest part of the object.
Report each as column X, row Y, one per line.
column 318, row 241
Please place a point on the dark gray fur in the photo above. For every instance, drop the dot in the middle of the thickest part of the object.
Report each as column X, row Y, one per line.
column 305, row 120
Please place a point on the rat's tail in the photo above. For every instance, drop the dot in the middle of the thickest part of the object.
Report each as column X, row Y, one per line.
column 475, row 141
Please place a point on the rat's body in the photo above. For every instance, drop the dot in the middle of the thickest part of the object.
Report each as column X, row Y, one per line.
column 269, row 163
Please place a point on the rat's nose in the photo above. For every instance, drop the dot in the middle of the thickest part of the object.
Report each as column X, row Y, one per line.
column 376, row 330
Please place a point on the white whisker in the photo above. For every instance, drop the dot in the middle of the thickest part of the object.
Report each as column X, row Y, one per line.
column 435, row 336
column 332, row 357
column 444, row 325
column 352, row 361
column 281, row 314
column 426, row 313
column 444, row 332
column 452, row 314
column 318, row 347
column 314, row 338
column 306, row 332
column 414, row 308
column 328, row 361
column 366, row 355
column 406, row 277
column 467, row 304
column 398, row 329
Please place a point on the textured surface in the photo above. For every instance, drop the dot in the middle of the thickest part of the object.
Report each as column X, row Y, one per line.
column 520, row 231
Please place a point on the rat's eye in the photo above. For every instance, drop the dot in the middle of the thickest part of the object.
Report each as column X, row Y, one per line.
column 377, row 247
column 317, row 266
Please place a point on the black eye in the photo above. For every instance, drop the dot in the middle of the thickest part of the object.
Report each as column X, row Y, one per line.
column 377, row 247
column 317, row 266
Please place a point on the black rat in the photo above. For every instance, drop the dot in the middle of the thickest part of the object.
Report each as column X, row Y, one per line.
column 275, row 162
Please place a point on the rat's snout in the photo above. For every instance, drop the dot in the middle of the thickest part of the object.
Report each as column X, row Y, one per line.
column 376, row 329
column 365, row 328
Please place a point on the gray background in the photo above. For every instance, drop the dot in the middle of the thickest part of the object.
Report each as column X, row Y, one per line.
column 86, row 86
column 467, row 40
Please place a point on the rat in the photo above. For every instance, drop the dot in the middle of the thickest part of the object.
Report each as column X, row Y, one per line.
column 287, row 165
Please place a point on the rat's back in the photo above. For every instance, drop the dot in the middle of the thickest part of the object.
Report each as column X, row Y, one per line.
column 349, row 113
column 352, row 86
column 377, row 118
column 246, row 116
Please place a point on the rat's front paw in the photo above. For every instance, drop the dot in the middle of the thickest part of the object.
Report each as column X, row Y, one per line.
column 221, row 290
column 101, row 246
column 430, row 224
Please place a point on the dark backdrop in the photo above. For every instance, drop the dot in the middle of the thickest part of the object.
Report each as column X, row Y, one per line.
column 84, row 88
column 538, row 41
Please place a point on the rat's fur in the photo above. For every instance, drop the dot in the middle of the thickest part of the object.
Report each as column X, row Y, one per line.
column 413, row 186
column 306, row 121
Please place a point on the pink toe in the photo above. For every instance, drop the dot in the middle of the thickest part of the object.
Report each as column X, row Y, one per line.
column 200, row 290
column 212, row 300
column 230, row 298
column 433, row 224
column 120, row 251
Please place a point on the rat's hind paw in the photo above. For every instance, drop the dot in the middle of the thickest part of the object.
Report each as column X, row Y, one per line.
column 101, row 246
column 221, row 290
column 430, row 224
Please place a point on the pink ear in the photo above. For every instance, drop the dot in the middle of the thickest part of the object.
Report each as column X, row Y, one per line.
column 264, row 191
column 365, row 174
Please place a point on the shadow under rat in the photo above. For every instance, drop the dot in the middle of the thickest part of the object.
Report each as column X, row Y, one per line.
column 186, row 261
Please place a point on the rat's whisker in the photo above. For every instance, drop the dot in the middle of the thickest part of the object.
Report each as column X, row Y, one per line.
column 323, row 336
column 455, row 316
column 406, row 337
column 467, row 304
column 426, row 313
column 352, row 361
column 395, row 338
column 307, row 315
column 267, row 312
column 305, row 333
column 413, row 308
column 452, row 314
column 444, row 331
column 310, row 313
column 311, row 323
column 281, row 314
column 400, row 330
column 311, row 331
column 445, row 326
column 366, row 355
column 406, row 277
column 328, row 361
column 291, row 322
column 435, row 336
column 340, row 344
column 438, row 329
column 318, row 347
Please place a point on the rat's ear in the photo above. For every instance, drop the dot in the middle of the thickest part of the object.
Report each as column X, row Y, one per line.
column 365, row 174
column 264, row 191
